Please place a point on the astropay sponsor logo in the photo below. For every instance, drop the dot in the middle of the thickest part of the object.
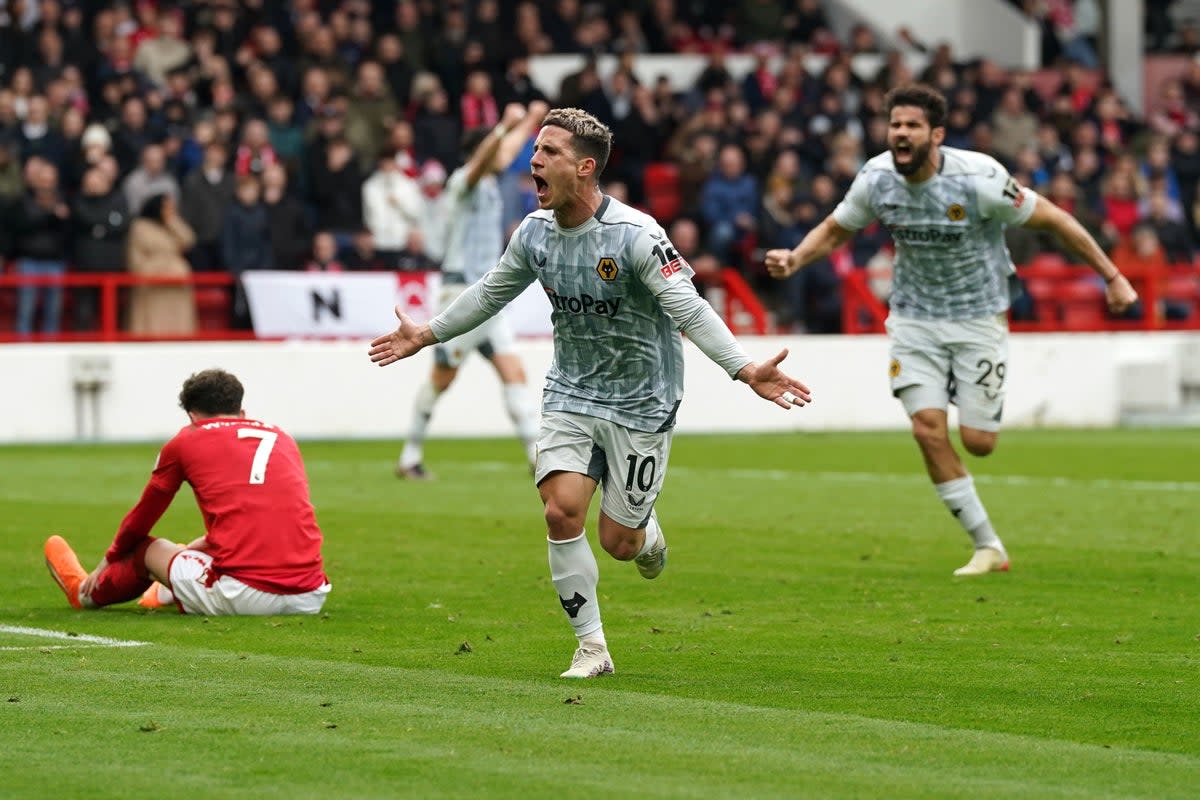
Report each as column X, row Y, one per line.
column 586, row 304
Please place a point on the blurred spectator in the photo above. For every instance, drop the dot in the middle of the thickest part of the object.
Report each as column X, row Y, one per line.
column 1157, row 168
column 284, row 134
column 37, row 135
column 1013, row 125
column 432, row 181
column 336, row 190
column 206, row 196
column 158, row 240
column 810, row 301
column 287, row 219
column 391, row 207
column 245, row 242
column 1120, row 202
column 1173, row 114
column 254, row 153
column 1168, row 227
column 42, row 227
column 132, row 134
column 436, row 130
column 684, row 233
column 100, row 221
column 803, row 22
column 479, row 108
column 324, row 254
column 1185, row 162
column 165, row 50
column 415, row 256
column 362, row 255
column 729, row 202
column 370, row 113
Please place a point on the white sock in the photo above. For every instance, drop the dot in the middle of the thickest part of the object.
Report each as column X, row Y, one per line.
column 165, row 595
column 962, row 500
column 520, row 411
column 575, row 574
column 414, row 445
column 653, row 534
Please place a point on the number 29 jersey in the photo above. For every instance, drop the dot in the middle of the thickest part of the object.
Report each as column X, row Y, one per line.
column 951, row 259
column 250, row 485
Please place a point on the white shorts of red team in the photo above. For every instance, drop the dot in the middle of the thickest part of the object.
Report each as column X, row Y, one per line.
column 196, row 593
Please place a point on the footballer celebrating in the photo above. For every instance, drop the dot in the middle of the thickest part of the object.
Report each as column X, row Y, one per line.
column 261, row 551
column 620, row 295
column 947, row 210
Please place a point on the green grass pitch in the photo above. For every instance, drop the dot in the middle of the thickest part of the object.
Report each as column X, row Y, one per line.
column 806, row 640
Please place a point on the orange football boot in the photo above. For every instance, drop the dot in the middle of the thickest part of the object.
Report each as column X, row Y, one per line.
column 65, row 568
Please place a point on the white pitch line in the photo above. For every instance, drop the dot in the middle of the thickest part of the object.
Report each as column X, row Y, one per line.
column 87, row 640
column 903, row 478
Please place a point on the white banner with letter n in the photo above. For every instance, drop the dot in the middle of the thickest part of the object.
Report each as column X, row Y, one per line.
column 336, row 304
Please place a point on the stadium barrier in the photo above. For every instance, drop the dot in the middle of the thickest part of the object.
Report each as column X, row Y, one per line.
column 328, row 389
column 290, row 304
column 1063, row 297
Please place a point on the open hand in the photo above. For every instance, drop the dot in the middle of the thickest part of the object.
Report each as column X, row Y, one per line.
column 403, row 342
column 770, row 383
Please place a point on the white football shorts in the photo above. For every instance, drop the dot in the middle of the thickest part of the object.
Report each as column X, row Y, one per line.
column 938, row 362
column 494, row 337
column 629, row 465
column 196, row 592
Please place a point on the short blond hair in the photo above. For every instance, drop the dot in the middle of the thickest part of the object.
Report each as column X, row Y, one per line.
column 590, row 138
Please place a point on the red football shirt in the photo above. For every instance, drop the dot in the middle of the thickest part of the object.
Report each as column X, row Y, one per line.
column 249, row 481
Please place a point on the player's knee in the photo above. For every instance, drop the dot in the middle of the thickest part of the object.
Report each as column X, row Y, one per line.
column 979, row 443
column 618, row 541
column 929, row 434
column 561, row 521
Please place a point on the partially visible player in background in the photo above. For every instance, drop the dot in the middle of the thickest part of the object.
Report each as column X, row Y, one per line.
column 947, row 210
column 474, row 240
column 261, row 552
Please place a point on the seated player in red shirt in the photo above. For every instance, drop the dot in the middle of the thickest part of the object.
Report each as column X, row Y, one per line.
column 261, row 553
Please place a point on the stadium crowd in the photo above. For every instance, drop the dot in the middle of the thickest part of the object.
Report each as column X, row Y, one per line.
column 212, row 135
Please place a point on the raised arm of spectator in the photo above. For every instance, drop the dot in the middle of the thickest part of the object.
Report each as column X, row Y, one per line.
column 1046, row 216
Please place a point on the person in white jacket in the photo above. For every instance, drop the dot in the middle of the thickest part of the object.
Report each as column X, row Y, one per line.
column 392, row 207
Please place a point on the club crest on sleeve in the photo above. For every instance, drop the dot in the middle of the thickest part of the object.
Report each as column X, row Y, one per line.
column 956, row 213
column 894, row 369
column 607, row 268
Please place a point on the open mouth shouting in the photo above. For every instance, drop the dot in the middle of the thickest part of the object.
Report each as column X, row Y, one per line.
column 542, row 189
column 907, row 157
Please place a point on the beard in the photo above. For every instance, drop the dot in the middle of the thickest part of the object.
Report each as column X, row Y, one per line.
column 919, row 155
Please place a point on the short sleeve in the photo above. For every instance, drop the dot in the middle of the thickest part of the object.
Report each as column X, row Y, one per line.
column 1001, row 197
column 855, row 212
column 658, row 263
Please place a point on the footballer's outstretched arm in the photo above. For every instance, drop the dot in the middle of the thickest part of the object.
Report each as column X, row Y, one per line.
column 820, row 242
column 1046, row 216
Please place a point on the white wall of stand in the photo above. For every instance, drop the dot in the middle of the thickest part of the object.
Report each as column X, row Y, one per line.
column 330, row 390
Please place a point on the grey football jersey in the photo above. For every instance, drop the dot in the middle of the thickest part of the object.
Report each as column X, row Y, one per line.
column 474, row 225
column 951, row 260
column 611, row 282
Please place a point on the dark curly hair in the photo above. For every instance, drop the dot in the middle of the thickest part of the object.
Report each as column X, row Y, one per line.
column 213, row 393
column 921, row 95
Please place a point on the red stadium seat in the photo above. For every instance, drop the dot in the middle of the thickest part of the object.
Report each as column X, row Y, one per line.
column 212, row 308
column 1082, row 305
column 661, row 185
